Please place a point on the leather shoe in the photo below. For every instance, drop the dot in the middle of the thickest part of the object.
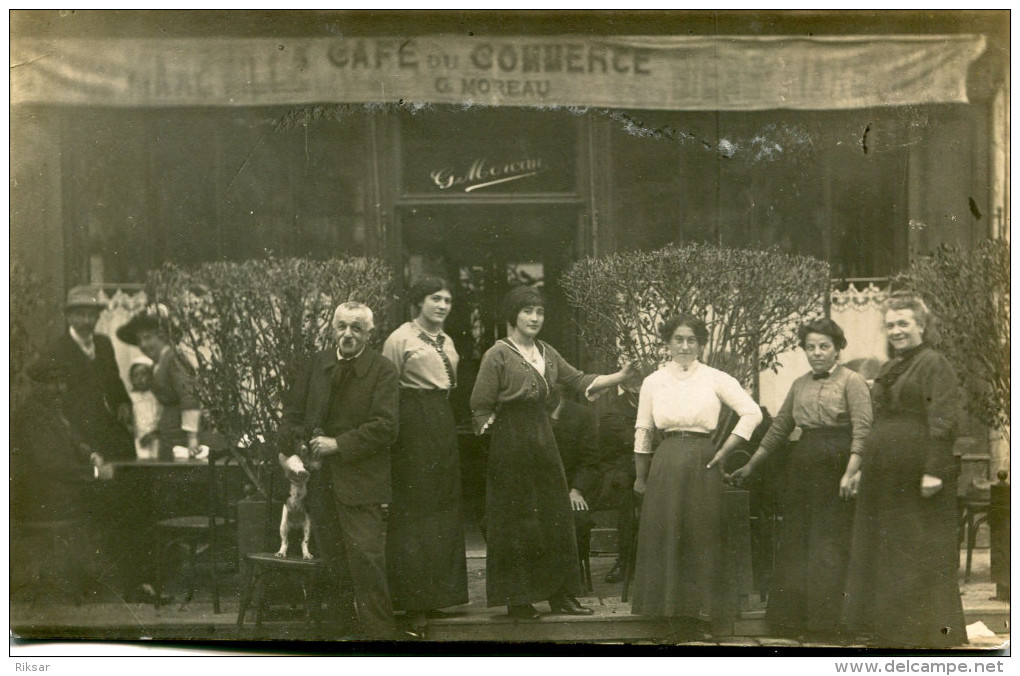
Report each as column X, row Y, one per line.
column 613, row 576
column 567, row 605
column 525, row 612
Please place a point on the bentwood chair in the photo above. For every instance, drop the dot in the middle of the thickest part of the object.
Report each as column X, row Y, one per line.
column 262, row 568
column 207, row 534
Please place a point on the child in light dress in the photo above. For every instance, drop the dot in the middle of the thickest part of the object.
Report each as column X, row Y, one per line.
column 146, row 409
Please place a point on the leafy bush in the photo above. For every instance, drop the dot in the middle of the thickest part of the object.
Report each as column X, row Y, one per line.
column 28, row 307
column 751, row 301
column 249, row 327
column 967, row 291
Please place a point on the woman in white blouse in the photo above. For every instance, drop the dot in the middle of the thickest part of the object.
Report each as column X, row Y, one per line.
column 680, row 572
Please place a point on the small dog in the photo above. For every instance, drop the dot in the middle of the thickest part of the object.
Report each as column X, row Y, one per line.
column 295, row 515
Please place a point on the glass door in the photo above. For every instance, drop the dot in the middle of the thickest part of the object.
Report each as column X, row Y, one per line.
column 483, row 251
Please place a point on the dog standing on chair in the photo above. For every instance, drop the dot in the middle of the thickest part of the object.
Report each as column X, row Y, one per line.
column 295, row 516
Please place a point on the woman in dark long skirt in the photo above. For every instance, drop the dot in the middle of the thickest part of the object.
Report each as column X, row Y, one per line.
column 682, row 572
column 831, row 406
column 531, row 549
column 425, row 541
column 902, row 588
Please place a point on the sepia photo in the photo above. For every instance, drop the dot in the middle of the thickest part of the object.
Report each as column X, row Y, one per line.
column 396, row 331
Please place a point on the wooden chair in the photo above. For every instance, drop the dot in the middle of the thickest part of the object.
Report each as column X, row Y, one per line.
column 204, row 533
column 262, row 567
column 974, row 509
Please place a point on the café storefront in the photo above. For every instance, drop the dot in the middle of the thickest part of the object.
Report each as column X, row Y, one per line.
column 493, row 160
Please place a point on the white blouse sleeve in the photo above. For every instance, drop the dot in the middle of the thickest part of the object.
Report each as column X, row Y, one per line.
column 733, row 395
column 644, row 425
column 643, row 441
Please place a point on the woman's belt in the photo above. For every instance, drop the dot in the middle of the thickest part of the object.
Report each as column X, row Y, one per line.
column 421, row 391
column 686, row 434
column 825, row 430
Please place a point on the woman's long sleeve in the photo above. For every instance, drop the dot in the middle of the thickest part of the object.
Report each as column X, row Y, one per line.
column 733, row 395
column 570, row 377
column 942, row 410
column 483, row 396
column 183, row 382
column 644, row 425
column 782, row 424
column 858, row 402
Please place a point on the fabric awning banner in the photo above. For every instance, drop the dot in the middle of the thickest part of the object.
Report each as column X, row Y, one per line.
column 665, row 73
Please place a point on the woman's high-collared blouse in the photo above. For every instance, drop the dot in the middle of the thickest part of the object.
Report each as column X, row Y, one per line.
column 840, row 400
column 506, row 376
column 673, row 399
column 418, row 362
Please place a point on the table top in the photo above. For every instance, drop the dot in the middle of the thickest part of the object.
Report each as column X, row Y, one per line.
column 154, row 463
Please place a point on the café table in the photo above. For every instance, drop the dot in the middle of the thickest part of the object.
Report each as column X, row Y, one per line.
column 164, row 498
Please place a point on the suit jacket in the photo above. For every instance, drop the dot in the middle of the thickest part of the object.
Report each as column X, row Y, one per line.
column 367, row 424
column 49, row 469
column 94, row 392
column 614, row 460
column 576, row 434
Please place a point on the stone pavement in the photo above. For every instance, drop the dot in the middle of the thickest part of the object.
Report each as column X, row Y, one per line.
column 104, row 617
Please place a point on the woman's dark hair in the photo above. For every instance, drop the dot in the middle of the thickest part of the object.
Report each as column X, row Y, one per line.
column 425, row 286
column 826, row 327
column 517, row 299
column 695, row 324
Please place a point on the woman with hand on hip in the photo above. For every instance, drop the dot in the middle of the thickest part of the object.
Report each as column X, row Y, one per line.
column 531, row 547
column 831, row 406
column 902, row 588
column 681, row 572
column 425, row 541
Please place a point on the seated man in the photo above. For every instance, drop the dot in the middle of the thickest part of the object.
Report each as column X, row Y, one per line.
column 576, row 430
column 51, row 470
column 609, row 477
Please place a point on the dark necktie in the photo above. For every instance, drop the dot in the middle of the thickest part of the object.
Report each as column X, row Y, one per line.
column 438, row 344
column 343, row 370
column 820, row 376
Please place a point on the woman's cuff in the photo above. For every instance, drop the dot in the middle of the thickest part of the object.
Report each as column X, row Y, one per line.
column 482, row 423
column 643, row 441
column 190, row 420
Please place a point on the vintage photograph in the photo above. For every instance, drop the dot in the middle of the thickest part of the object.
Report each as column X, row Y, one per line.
column 685, row 332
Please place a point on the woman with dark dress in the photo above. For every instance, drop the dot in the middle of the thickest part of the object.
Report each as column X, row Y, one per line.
column 425, row 541
column 173, row 381
column 831, row 406
column 531, row 548
column 681, row 571
column 902, row 588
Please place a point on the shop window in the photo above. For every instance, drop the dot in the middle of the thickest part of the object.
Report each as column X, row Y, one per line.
column 196, row 185
column 795, row 180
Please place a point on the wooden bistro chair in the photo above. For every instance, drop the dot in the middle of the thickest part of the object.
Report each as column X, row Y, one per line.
column 974, row 505
column 204, row 533
column 261, row 568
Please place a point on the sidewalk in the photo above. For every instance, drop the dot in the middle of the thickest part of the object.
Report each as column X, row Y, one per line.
column 109, row 619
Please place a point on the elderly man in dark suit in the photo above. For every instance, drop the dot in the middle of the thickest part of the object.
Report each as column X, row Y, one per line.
column 97, row 403
column 344, row 405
